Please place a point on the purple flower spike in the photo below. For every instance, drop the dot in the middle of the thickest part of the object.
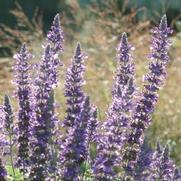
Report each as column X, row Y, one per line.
column 75, row 148
column 55, row 39
column 162, row 167
column 117, row 123
column 23, row 92
column 42, row 120
column 8, row 123
column 9, row 129
column 141, row 171
column 55, row 35
column 73, row 87
column 153, row 80
column 123, row 49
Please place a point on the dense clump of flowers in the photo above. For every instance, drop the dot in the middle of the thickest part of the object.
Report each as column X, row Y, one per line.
column 73, row 87
column 153, row 80
column 75, row 148
column 115, row 149
column 117, row 123
column 22, row 81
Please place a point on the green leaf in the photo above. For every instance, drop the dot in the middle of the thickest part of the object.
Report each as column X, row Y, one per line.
column 18, row 175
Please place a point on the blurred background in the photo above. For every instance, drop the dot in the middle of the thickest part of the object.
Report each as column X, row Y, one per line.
column 97, row 25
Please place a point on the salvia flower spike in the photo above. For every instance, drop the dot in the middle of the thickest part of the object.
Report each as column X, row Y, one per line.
column 41, row 117
column 162, row 167
column 55, row 38
column 142, row 169
column 9, row 128
column 8, row 114
column 44, row 118
column 152, row 82
column 23, row 85
column 75, row 148
column 55, row 35
column 117, row 123
column 73, row 87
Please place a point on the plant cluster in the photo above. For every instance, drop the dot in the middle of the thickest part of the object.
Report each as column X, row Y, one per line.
column 80, row 147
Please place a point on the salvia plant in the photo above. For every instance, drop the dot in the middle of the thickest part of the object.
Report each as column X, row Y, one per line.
column 23, row 92
column 37, row 146
column 8, row 131
column 145, row 106
column 75, row 150
column 118, row 117
column 73, row 87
